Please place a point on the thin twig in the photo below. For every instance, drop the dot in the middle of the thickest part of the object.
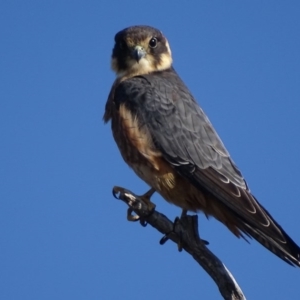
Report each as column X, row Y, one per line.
column 184, row 233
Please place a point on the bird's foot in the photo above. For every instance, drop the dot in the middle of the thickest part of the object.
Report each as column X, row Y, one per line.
column 166, row 237
column 135, row 203
column 178, row 221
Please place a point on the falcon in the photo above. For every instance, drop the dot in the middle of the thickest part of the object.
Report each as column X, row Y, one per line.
column 169, row 142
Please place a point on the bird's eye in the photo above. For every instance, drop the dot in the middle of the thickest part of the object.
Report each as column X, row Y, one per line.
column 123, row 45
column 153, row 42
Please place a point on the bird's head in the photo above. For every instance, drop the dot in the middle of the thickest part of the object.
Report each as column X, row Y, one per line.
column 140, row 50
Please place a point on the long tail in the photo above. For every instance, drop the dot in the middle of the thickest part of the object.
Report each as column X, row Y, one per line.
column 285, row 247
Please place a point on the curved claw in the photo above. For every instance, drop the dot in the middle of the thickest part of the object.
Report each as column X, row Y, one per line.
column 204, row 242
column 143, row 222
column 164, row 239
column 117, row 191
column 131, row 217
column 134, row 218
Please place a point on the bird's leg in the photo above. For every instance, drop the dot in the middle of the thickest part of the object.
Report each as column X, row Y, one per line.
column 146, row 199
column 183, row 213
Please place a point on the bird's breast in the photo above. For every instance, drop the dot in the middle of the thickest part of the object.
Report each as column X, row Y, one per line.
column 137, row 149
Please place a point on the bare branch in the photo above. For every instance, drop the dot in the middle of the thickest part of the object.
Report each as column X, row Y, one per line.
column 184, row 233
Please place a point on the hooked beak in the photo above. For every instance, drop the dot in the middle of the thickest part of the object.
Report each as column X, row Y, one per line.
column 138, row 53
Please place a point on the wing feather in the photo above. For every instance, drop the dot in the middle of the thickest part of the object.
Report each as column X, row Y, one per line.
column 186, row 138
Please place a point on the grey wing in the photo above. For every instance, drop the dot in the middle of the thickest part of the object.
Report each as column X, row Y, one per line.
column 182, row 132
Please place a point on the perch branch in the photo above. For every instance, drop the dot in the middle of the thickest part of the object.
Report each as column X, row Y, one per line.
column 186, row 234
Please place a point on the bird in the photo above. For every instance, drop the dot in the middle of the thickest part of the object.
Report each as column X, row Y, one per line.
column 167, row 139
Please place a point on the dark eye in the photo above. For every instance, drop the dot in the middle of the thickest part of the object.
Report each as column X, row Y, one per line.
column 153, row 42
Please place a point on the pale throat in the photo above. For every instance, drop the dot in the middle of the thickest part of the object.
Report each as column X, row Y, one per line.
column 146, row 65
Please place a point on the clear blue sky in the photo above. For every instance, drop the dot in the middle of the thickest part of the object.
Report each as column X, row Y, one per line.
column 62, row 234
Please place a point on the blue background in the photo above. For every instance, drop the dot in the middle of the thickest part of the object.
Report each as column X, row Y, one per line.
column 62, row 234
